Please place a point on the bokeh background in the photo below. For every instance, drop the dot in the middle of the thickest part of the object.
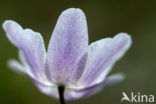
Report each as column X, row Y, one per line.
column 105, row 18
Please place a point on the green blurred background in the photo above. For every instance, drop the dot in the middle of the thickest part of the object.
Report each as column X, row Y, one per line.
column 105, row 19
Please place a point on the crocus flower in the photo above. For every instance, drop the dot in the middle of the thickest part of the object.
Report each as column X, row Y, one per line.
column 70, row 67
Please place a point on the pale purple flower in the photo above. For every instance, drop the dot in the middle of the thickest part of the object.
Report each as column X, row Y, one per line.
column 69, row 61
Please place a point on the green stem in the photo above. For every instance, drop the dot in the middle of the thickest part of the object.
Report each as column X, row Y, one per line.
column 61, row 94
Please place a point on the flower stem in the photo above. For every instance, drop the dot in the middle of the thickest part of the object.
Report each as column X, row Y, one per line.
column 61, row 94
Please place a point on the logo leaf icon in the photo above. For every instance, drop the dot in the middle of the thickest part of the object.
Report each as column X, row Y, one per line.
column 125, row 97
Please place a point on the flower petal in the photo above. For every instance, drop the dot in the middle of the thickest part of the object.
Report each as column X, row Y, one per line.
column 30, row 44
column 16, row 66
column 47, row 89
column 101, row 57
column 67, row 47
column 73, row 94
column 115, row 78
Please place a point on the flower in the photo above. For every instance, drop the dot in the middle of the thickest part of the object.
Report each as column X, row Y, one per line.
column 69, row 61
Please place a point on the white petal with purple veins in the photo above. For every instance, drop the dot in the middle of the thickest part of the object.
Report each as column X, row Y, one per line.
column 67, row 47
column 30, row 44
column 73, row 94
column 102, row 55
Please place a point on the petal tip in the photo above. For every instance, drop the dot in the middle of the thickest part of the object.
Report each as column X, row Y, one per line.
column 73, row 11
column 8, row 25
column 115, row 78
column 120, row 76
column 15, row 66
column 126, row 37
